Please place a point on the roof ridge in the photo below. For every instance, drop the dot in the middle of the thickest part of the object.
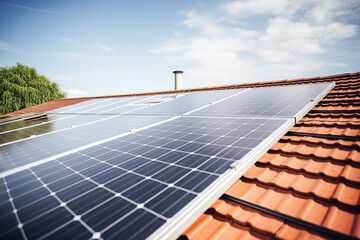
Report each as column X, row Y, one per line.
column 238, row 85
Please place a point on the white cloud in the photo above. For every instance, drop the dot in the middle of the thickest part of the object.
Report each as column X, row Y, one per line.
column 206, row 24
column 71, row 93
column 66, row 40
column 229, row 51
column 177, row 34
column 29, row 8
column 255, row 7
column 105, row 48
column 4, row 46
column 76, row 55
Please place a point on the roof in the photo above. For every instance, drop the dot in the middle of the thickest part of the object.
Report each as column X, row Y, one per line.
column 306, row 186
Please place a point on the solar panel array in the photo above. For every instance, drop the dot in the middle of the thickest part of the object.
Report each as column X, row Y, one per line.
column 129, row 167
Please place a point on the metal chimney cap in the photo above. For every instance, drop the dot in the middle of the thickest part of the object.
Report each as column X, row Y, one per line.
column 177, row 71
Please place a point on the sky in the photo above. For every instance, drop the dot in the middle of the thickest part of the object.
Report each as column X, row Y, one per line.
column 104, row 47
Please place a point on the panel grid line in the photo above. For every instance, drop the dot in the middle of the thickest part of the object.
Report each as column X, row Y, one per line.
column 15, row 212
column 61, row 203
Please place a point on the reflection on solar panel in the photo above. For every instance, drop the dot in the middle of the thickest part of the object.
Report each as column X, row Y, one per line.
column 285, row 101
column 148, row 174
column 189, row 102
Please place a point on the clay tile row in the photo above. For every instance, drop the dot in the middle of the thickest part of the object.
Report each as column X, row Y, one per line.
column 305, row 208
column 320, row 141
column 305, row 185
column 329, row 170
column 323, row 153
column 247, row 224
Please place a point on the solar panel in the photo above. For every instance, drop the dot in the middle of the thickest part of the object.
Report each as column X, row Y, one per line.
column 21, row 123
column 101, row 180
column 284, row 101
column 153, row 175
column 80, row 106
column 17, row 154
column 54, row 122
column 47, row 125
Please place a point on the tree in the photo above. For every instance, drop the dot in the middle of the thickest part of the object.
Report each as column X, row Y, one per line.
column 22, row 87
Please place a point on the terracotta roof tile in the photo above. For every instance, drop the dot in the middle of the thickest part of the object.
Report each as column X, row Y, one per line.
column 304, row 184
column 326, row 169
column 300, row 206
column 214, row 227
column 317, row 151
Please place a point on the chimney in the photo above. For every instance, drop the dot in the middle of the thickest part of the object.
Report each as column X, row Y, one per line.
column 178, row 75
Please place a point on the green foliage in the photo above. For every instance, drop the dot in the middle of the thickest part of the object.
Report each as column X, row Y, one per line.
column 22, row 87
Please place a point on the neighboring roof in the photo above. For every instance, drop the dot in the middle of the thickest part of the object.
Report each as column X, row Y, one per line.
column 311, row 174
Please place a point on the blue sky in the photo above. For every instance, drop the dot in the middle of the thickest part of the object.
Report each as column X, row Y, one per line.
column 100, row 47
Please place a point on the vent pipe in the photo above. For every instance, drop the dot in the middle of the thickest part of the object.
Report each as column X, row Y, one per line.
column 178, row 75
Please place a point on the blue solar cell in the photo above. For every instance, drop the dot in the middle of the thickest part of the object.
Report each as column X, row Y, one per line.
column 5, row 206
column 124, row 182
column 142, row 192
column 216, row 166
column 47, row 223
column 30, row 195
column 196, row 181
column 108, row 175
column 73, row 230
column 56, row 175
column 92, row 170
column 64, row 182
column 107, row 213
column 150, row 168
column 171, row 174
column 34, row 209
column 193, row 160
column 75, row 190
column 11, row 234
column 8, row 222
column 29, row 186
column 129, row 227
column 170, row 201
column 82, row 204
